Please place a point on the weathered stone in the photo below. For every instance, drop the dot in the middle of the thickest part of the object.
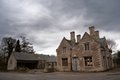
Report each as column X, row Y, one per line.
column 98, row 56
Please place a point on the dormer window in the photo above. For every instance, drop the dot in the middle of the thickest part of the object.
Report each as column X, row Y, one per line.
column 87, row 46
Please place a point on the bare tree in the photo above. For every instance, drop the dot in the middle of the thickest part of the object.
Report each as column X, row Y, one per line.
column 111, row 44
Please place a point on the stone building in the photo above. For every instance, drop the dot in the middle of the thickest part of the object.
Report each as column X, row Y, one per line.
column 87, row 53
column 32, row 61
column 23, row 60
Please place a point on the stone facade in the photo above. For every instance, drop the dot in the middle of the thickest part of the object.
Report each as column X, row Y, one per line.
column 12, row 63
column 32, row 61
column 88, row 53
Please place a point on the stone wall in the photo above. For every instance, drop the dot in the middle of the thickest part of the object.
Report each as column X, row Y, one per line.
column 12, row 63
column 100, row 61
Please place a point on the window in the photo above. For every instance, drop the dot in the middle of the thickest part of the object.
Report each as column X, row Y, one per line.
column 64, row 49
column 64, row 61
column 88, row 61
column 86, row 46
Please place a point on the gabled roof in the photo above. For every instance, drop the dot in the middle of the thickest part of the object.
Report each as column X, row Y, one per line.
column 69, row 42
column 25, row 56
column 85, row 35
column 102, row 41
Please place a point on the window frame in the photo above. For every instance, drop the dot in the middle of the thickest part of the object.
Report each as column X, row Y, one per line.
column 88, row 61
column 87, row 46
column 64, row 61
column 64, row 50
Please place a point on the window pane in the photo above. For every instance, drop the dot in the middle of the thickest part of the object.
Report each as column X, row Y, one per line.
column 86, row 46
column 64, row 49
column 88, row 61
column 64, row 61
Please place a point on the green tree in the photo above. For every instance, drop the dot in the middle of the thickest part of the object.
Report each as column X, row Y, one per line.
column 116, row 59
column 26, row 46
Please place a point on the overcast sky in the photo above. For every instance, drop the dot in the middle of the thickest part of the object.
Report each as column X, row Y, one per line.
column 46, row 22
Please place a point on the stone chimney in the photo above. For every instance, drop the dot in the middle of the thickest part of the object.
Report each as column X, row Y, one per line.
column 92, row 30
column 72, row 36
column 93, row 33
column 97, row 34
column 78, row 38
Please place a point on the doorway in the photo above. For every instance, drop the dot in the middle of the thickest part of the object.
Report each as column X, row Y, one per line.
column 74, row 63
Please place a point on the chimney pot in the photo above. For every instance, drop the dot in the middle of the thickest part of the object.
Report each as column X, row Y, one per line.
column 78, row 38
column 92, row 30
column 72, row 35
column 97, row 34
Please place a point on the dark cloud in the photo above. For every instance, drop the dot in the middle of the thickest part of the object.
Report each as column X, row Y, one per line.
column 105, row 14
column 48, row 19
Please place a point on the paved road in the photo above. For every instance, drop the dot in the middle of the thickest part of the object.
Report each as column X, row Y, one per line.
column 60, row 76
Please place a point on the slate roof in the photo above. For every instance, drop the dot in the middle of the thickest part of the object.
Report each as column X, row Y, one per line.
column 70, row 42
column 48, row 58
column 51, row 59
column 25, row 56
column 42, row 56
column 102, row 41
column 34, row 57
